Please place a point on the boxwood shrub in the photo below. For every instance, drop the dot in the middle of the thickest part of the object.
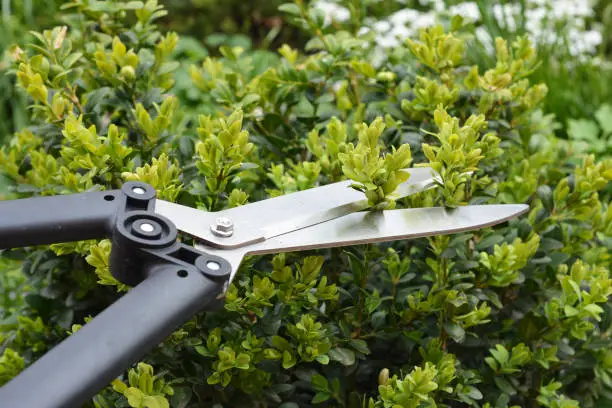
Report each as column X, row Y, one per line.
column 516, row 315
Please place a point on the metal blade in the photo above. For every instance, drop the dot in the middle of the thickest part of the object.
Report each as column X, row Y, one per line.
column 380, row 226
column 264, row 219
column 367, row 227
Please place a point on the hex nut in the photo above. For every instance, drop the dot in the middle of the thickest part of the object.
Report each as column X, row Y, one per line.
column 223, row 227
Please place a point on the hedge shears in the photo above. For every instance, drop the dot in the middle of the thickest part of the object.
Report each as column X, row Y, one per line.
column 172, row 281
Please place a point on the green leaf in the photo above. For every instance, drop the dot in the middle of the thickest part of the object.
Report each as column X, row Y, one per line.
column 290, row 8
column 474, row 393
column 456, row 22
column 549, row 244
column 320, row 397
column 319, row 382
column 314, row 44
column 65, row 318
column 323, row 359
column 604, row 117
column 134, row 396
column 360, row 345
column 289, row 360
column 168, row 67
column 570, row 311
column 154, row 401
column 69, row 62
column 500, row 353
column 455, row 331
column 343, row 355
column 119, row 386
column 582, row 129
column 489, row 241
column 242, row 361
column 181, row 397
column 133, row 5
column 250, row 99
column 504, row 385
column 545, row 194
column 280, row 343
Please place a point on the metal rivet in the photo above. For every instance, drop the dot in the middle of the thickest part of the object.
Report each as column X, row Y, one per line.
column 146, row 227
column 138, row 190
column 223, row 227
column 212, row 265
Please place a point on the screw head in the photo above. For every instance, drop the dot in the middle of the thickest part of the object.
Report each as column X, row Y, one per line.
column 223, row 227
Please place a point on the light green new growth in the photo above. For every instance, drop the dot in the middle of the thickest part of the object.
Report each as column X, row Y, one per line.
column 459, row 152
column 221, row 152
column 11, row 364
column 144, row 390
column 503, row 266
column 375, row 175
column 161, row 174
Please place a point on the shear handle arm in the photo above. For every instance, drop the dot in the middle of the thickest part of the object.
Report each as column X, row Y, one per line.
column 70, row 217
column 84, row 363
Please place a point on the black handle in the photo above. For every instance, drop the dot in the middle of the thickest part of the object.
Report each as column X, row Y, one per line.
column 174, row 281
column 70, row 217
column 76, row 369
column 63, row 218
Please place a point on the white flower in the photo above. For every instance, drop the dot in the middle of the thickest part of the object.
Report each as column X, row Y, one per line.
column 506, row 15
column 485, row 39
column 593, row 38
column 542, row 19
column 424, row 20
column 363, row 31
column 332, row 11
column 583, row 42
column 567, row 9
column 401, row 32
column 436, row 5
column 404, row 16
column 468, row 10
column 258, row 113
column 536, row 15
column 381, row 26
column 387, row 41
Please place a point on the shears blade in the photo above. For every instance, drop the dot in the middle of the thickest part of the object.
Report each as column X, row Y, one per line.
column 376, row 226
column 390, row 225
column 261, row 220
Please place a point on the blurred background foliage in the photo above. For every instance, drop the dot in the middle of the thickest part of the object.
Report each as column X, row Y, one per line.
column 573, row 37
column 257, row 25
column 17, row 18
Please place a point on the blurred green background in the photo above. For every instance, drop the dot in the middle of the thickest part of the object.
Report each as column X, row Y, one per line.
column 578, row 87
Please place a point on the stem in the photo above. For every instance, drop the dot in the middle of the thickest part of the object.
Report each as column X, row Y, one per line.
column 363, row 283
column 443, row 334
column 313, row 27
column 444, row 270
column 355, row 85
column 394, row 292
column 357, row 20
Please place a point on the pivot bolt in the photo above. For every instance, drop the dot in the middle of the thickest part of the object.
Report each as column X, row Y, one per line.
column 223, row 227
column 146, row 227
